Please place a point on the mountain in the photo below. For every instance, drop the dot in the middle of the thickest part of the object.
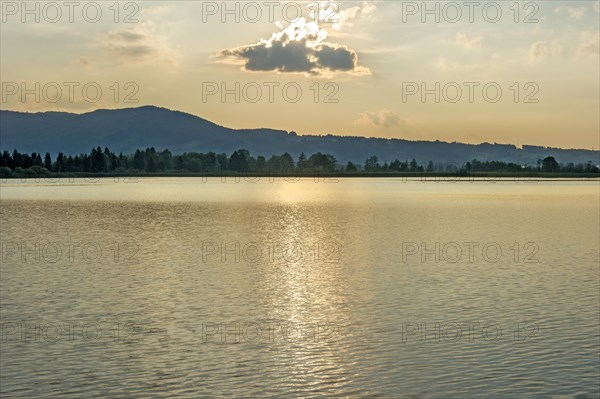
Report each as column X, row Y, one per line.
column 125, row 130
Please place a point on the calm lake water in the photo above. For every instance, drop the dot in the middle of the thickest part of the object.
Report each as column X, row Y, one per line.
column 191, row 288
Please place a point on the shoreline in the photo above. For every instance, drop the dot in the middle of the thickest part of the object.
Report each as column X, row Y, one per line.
column 319, row 175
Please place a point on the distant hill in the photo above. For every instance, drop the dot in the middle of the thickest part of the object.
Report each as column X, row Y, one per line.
column 125, row 130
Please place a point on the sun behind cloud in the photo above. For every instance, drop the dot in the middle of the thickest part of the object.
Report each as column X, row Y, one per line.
column 298, row 48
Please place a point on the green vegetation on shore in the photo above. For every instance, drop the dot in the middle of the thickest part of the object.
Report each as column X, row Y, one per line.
column 149, row 162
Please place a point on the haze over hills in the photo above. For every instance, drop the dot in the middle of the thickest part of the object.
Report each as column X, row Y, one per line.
column 125, row 130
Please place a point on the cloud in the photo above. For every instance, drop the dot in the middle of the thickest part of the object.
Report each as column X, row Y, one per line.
column 541, row 50
column 129, row 44
column 466, row 41
column 299, row 48
column 383, row 118
column 369, row 7
column 597, row 7
column 573, row 12
column 138, row 45
column 343, row 18
column 589, row 44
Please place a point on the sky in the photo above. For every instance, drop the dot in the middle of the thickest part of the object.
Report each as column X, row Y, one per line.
column 508, row 72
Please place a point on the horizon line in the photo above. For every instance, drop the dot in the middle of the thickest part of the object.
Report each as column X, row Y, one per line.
column 518, row 147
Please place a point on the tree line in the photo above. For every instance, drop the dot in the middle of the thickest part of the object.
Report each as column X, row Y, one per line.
column 151, row 161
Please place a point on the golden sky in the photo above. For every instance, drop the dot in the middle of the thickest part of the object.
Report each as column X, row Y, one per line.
column 507, row 72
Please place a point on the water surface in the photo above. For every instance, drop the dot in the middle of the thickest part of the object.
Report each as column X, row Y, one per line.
column 345, row 280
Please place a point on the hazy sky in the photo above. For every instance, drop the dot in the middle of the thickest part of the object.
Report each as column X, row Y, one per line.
column 507, row 72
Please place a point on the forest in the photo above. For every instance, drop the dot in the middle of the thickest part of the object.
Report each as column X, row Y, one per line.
column 152, row 162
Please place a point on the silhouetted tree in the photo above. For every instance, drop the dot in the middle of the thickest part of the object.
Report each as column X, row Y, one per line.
column 372, row 164
column 413, row 165
column 323, row 162
column 59, row 163
column 301, row 161
column 549, row 164
column 138, row 160
column 6, row 160
column 47, row 161
column 239, row 160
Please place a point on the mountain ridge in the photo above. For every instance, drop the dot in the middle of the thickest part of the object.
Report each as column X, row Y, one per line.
column 127, row 129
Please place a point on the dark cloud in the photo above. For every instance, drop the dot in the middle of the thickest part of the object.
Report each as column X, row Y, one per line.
column 127, row 36
column 132, row 45
column 306, row 55
column 336, row 58
column 290, row 57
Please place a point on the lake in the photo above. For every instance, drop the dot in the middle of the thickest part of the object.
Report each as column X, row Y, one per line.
column 285, row 288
